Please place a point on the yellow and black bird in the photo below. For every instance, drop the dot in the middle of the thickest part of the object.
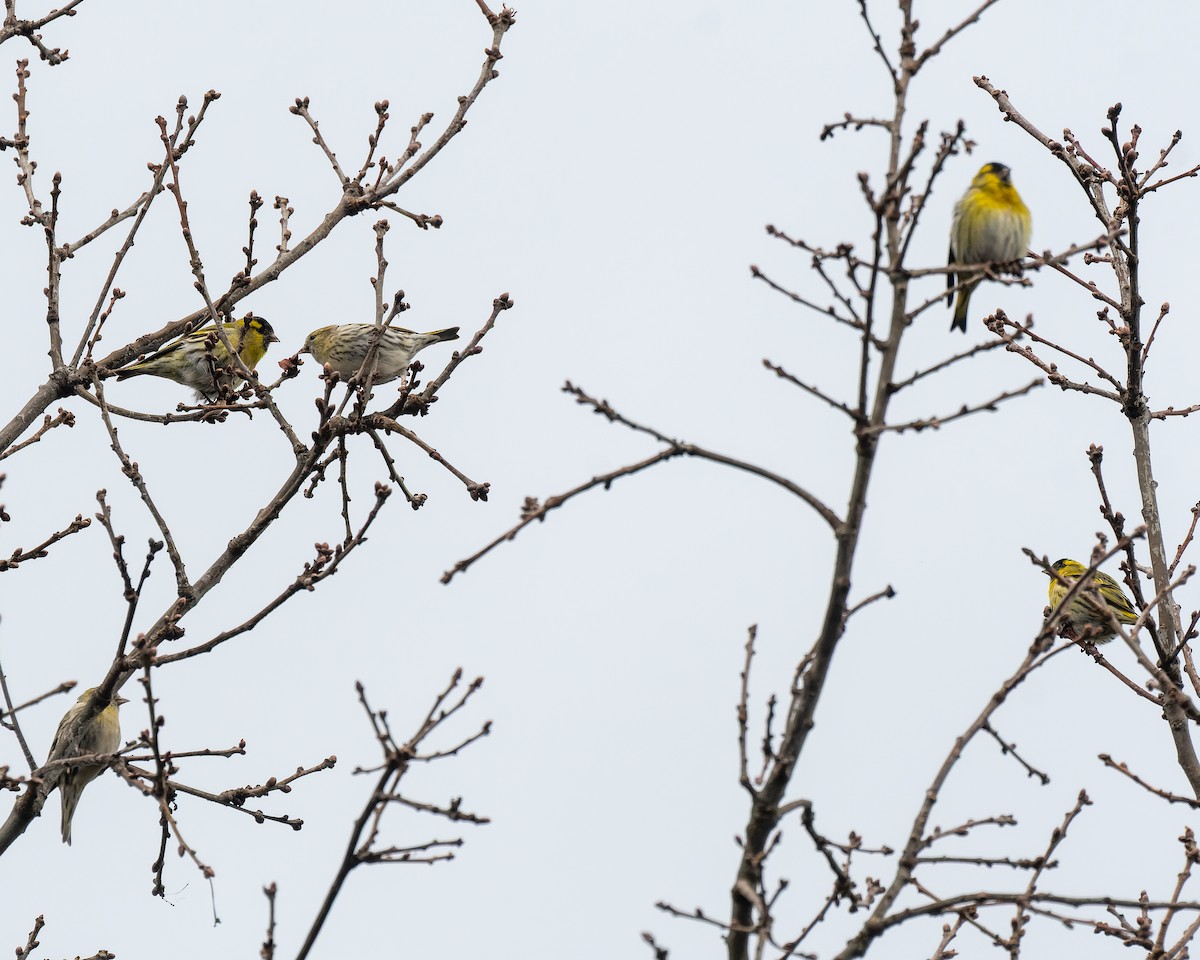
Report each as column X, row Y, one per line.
column 991, row 225
column 1084, row 610
column 195, row 361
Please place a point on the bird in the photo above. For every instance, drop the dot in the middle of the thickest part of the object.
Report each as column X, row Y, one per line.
column 101, row 735
column 344, row 347
column 186, row 360
column 1084, row 610
column 991, row 225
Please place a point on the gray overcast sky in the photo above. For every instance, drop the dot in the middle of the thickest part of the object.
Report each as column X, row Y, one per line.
column 615, row 180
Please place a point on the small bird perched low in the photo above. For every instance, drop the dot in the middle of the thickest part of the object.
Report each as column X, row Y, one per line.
column 186, row 360
column 101, row 735
column 991, row 225
column 1084, row 610
column 344, row 347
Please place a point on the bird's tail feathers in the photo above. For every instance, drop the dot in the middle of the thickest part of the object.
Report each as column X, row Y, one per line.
column 960, row 315
column 960, row 305
column 68, row 812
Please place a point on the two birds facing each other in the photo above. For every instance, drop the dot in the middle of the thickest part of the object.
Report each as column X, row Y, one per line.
column 991, row 225
column 101, row 736
column 201, row 361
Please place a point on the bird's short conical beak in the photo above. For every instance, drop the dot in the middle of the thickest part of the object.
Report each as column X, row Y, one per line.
column 304, row 349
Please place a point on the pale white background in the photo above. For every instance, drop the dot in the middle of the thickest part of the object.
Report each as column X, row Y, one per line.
column 615, row 180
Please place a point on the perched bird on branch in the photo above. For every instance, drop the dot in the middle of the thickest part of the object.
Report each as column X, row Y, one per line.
column 101, row 735
column 1084, row 609
column 991, row 225
column 344, row 347
column 199, row 359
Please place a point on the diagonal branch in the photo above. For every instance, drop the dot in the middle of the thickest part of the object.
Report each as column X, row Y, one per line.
column 936, row 423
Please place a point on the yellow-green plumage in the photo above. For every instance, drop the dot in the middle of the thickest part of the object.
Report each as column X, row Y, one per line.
column 991, row 225
column 186, row 360
column 344, row 347
column 1084, row 610
column 101, row 735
